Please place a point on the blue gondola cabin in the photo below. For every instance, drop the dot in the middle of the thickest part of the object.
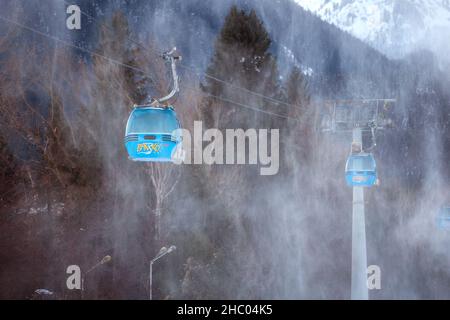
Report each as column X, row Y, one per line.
column 150, row 134
column 443, row 218
column 360, row 170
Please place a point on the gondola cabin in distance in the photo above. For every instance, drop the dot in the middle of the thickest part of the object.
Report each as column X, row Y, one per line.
column 443, row 218
column 361, row 170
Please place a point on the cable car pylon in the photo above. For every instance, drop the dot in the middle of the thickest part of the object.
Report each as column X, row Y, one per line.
column 359, row 290
column 358, row 116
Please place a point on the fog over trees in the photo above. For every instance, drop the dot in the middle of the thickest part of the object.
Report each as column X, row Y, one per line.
column 70, row 195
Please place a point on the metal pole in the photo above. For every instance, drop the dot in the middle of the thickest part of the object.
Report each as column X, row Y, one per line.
column 105, row 259
column 82, row 287
column 359, row 290
column 161, row 254
column 150, row 280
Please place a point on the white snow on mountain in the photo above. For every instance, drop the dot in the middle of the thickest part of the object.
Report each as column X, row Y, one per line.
column 395, row 27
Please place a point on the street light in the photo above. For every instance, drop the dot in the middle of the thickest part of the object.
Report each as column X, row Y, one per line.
column 160, row 254
column 104, row 260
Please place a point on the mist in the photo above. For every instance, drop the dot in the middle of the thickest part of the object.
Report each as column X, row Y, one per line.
column 239, row 235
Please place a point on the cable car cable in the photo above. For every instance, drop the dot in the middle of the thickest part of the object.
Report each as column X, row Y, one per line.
column 137, row 69
column 195, row 70
column 243, row 105
column 67, row 43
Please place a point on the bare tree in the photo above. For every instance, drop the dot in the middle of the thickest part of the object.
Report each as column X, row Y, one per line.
column 41, row 126
column 163, row 179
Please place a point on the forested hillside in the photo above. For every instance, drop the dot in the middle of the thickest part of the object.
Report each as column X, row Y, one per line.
column 70, row 195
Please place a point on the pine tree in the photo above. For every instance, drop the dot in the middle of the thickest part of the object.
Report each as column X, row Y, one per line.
column 334, row 79
column 241, row 58
column 297, row 92
column 300, row 130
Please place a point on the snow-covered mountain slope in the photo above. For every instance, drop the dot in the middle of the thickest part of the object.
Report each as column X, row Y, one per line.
column 395, row 27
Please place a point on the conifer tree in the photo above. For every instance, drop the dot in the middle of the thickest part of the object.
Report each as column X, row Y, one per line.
column 299, row 129
column 241, row 58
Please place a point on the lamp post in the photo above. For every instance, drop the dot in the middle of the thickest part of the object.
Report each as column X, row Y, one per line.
column 160, row 254
column 105, row 259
